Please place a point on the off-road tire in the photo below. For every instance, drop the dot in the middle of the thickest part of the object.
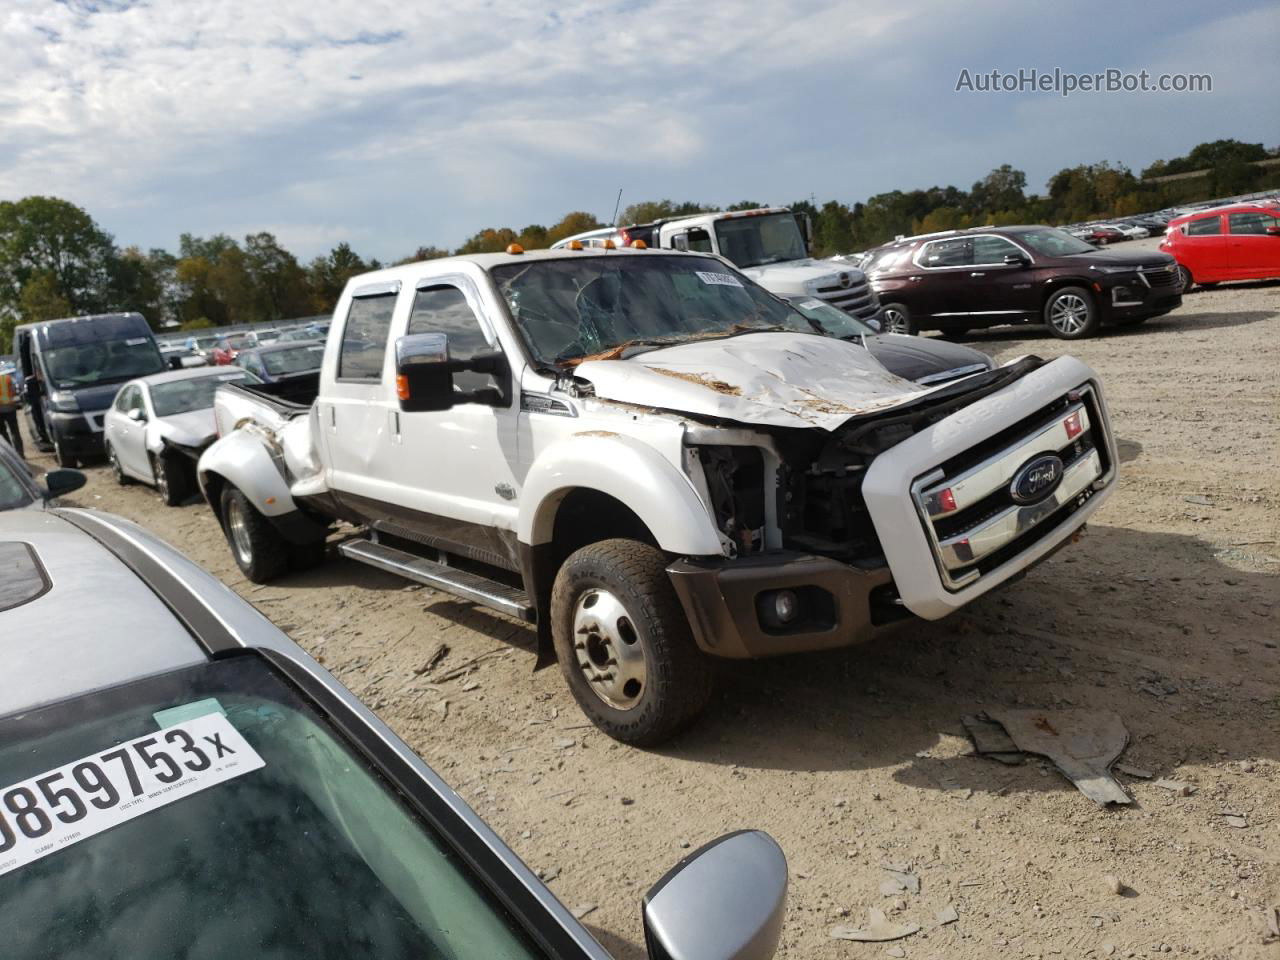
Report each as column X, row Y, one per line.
column 1072, row 297
column 901, row 323
column 260, row 552
column 173, row 479
column 678, row 679
column 116, row 470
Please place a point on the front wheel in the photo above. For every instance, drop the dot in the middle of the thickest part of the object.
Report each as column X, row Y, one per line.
column 60, row 454
column 259, row 550
column 1184, row 278
column 173, row 479
column 896, row 318
column 117, row 471
column 1071, row 314
column 624, row 644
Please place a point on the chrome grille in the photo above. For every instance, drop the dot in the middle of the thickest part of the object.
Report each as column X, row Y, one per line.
column 972, row 516
column 1160, row 276
column 859, row 299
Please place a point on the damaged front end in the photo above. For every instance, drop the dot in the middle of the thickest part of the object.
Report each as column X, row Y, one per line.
column 807, row 569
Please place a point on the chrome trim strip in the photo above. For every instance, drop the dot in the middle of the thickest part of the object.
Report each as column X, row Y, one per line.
column 989, row 536
column 955, row 373
column 996, row 471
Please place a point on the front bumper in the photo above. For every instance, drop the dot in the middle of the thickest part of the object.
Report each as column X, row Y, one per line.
column 1146, row 293
column 77, row 434
column 722, row 600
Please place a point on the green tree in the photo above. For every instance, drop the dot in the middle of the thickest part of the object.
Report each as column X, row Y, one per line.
column 572, row 223
column 40, row 299
column 49, row 236
column 1001, row 189
column 328, row 275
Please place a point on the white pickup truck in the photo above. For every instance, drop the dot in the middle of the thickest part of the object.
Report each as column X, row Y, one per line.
column 767, row 244
column 654, row 460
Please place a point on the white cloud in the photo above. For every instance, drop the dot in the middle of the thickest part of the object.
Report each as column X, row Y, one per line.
column 399, row 124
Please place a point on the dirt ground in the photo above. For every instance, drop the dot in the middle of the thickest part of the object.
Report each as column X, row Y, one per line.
column 1166, row 613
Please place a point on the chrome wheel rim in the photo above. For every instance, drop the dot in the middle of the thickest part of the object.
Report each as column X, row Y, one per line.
column 895, row 321
column 237, row 524
column 1069, row 314
column 608, row 649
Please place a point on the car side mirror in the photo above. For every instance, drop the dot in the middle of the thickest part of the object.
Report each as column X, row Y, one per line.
column 424, row 375
column 58, row 483
column 725, row 901
column 1016, row 260
column 680, row 242
column 136, row 414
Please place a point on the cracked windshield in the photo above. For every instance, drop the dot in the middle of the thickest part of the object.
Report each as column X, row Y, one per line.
column 590, row 308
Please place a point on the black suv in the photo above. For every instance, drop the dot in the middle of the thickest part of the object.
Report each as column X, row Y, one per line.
column 986, row 276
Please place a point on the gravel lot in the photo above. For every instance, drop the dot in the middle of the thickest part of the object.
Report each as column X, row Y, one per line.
column 1166, row 613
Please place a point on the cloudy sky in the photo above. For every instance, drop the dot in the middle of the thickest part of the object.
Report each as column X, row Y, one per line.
column 393, row 125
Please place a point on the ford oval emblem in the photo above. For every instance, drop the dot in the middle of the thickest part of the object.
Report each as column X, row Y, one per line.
column 1036, row 479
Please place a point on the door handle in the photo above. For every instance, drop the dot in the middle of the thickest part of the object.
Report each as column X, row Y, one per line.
column 915, row 279
column 977, row 274
column 333, row 415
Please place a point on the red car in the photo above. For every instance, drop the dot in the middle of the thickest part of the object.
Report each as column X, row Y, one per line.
column 1101, row 236
column 1240, row 242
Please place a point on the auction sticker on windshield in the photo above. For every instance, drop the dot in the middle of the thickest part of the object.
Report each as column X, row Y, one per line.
column 78, row 800
column 724, row 279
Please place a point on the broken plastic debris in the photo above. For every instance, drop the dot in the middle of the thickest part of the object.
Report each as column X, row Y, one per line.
column 1083, row 744
column 946, row 915
column 1236, row 820
column 878, row 929
column 1179, row 787
column 990, row 740
column 898, row 881
column 1138, row 772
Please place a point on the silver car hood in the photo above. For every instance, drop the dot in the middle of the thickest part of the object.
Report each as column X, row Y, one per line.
column 191, row 429
column 774, row 379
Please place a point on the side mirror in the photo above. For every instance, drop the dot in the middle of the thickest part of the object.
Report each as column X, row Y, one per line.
column 136, row 414
column 680, row 242
column 1016, row 260
column 58, row 483
column 424, row 374
column 725, row 901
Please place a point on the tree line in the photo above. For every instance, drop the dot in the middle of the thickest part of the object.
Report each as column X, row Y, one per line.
column 55, row 261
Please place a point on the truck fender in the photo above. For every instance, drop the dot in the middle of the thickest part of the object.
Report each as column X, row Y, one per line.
column 628, row 470
column 242, row 459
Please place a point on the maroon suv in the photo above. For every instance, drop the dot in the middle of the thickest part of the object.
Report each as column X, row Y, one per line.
column 986, row 276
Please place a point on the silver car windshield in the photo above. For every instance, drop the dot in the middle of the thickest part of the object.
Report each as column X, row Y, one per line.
column 586, row 306
column 194, row 393
column 756, row 241
column 306, row 853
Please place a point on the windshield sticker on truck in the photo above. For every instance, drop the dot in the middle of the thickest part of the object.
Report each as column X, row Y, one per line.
column 724, row 279
column 134, row 341
column 52, row 810
column 810, row 304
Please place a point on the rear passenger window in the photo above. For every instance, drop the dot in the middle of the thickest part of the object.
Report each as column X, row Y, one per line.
column 1204, row 227
column 1250, row 223
column 948, row 253
column 444, row 309
column 992, row 250
column 364, row 337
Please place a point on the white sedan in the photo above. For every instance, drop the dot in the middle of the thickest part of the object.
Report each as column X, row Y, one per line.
column 159, row 425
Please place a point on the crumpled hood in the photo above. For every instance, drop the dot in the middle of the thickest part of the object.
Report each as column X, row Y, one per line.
column 799, row 273
column 194, row 428
column 775, row 379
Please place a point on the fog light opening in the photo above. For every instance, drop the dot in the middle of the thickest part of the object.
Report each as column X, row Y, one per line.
column 786, row 606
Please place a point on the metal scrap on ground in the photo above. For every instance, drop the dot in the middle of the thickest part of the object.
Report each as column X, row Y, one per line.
column 1083, row 744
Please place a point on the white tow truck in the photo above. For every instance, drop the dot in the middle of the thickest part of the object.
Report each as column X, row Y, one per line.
column 656, row 462
column 768, row 244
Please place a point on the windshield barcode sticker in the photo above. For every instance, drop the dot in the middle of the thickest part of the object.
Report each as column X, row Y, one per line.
column 724, row 279
column 81, row 799
column 134, row 341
